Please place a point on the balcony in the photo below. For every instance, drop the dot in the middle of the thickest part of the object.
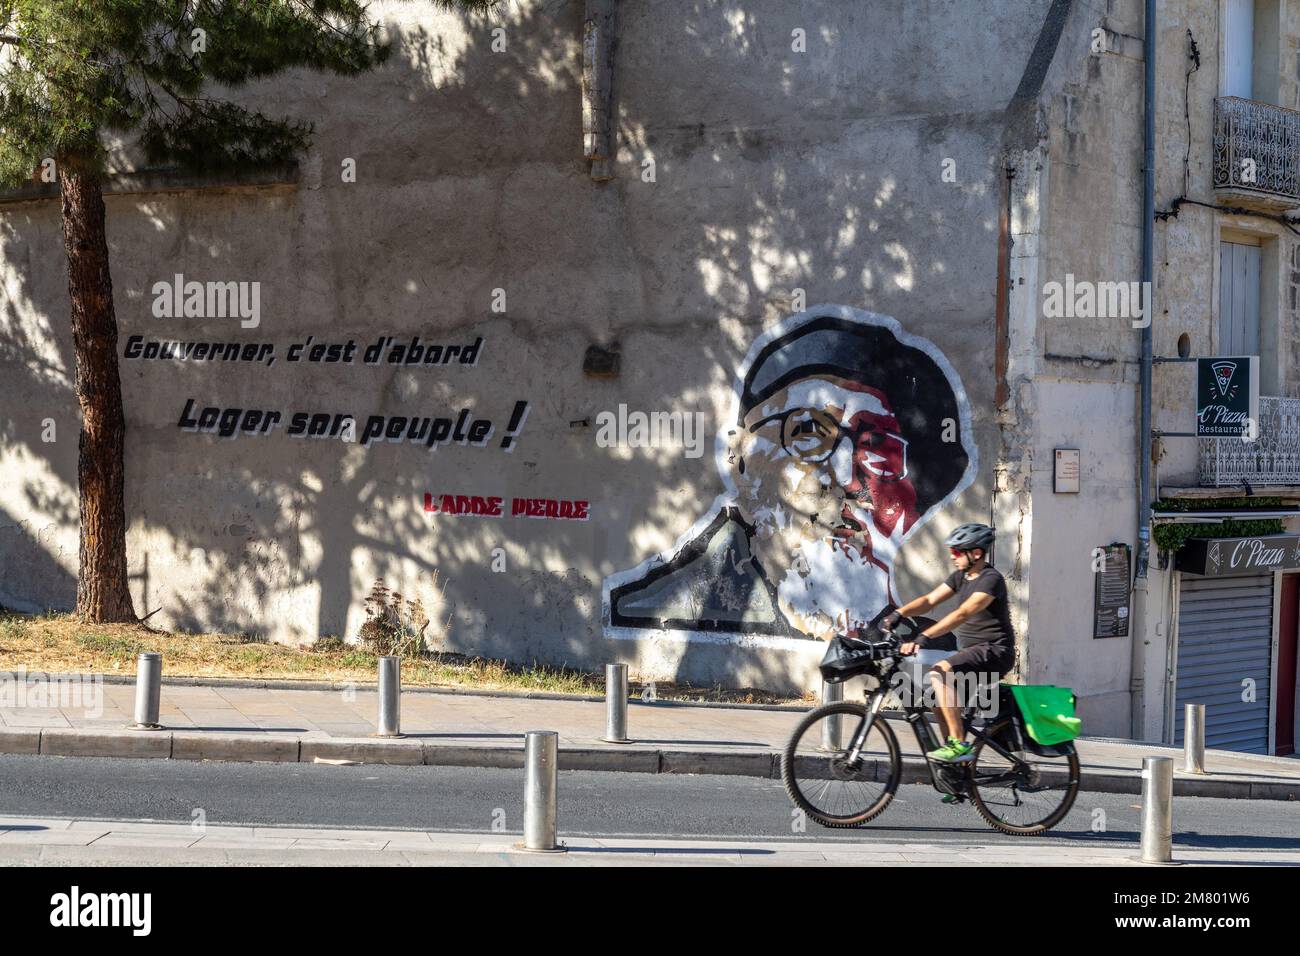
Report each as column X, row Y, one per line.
column 1256, row 154
column 1272, row 459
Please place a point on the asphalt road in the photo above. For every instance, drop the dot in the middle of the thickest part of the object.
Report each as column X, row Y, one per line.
column 591, row 804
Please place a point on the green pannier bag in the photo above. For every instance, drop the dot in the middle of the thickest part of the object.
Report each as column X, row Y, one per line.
column 1048, row 712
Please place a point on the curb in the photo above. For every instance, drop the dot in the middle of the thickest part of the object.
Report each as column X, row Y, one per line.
column 1168, row 750
column 414, row 751
column 372, row 687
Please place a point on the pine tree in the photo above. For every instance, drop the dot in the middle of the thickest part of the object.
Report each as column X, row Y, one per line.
column 73, row 72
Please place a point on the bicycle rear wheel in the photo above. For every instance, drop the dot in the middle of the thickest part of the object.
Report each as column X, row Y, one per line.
column 1026, row 797
column 825, row 782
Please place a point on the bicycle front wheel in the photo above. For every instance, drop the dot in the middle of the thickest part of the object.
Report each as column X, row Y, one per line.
column 829, row 784
column 1023, row 796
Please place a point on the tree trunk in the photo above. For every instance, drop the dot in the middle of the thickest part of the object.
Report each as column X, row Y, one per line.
column 103, row 595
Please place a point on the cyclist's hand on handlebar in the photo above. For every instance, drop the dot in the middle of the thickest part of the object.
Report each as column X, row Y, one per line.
column 890, row 621
column 908, row 649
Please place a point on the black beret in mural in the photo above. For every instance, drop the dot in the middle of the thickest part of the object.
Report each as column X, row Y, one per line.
column 919, row 392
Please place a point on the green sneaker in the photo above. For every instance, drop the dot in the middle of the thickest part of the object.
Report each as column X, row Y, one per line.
column 954, row 749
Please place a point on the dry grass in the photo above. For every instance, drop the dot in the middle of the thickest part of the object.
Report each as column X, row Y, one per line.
column 59, row 643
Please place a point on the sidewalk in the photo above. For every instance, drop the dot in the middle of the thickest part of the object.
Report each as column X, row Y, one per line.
column 54, row 842
column 260, row 723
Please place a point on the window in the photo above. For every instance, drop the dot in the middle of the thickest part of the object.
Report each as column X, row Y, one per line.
column 1238, row 298
column 1250, row 304
column 1251, row 47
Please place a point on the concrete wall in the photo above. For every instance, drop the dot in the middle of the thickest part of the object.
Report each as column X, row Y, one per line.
column 774, row 171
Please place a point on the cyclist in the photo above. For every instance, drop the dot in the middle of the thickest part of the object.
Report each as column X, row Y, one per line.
column 986, row 643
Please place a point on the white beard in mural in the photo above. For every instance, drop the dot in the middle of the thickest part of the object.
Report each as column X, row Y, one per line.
column 820, row 476
column 847, row 436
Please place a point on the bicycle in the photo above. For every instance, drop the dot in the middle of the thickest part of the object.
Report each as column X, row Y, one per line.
column 1018, row 786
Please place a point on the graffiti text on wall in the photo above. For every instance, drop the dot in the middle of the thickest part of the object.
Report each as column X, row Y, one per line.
column 431, row 431
column 385, row 350
column 492, row 506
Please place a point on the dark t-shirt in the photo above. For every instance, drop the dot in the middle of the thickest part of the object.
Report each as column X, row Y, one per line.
column 991, row 625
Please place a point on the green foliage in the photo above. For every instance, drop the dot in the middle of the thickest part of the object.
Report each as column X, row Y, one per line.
column 1171, row 537
column 112, row 645
column 12, row 624
column 1271, row 503
column 73, row 70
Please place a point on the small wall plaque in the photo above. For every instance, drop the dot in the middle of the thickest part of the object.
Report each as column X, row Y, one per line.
column 1065, row 471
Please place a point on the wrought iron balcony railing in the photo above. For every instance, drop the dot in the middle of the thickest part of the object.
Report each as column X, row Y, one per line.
column 1257, row 150
column 1273, row 458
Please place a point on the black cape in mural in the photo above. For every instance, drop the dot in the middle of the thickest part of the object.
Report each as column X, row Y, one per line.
column 848, row 435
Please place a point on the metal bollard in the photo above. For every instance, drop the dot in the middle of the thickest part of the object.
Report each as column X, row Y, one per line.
column 615, row 704
column 541, row 754
column 1194, row 739
column 390, row 697
column 831, row 726
column 1157, row 809
column 148, row 691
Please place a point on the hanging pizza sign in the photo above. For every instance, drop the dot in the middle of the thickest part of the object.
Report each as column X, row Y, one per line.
column 1227, row 397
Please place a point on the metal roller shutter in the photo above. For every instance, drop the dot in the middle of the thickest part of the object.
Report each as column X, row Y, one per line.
column 1225, row 635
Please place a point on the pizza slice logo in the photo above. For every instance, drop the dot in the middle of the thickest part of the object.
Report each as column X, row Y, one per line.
column 1223, row 374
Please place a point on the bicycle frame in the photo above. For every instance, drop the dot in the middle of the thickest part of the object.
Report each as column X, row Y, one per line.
column 925, row 736
column 926, row 739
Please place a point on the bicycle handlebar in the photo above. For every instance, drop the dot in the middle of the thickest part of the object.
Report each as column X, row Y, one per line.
column 912, row 627
column 871, row 633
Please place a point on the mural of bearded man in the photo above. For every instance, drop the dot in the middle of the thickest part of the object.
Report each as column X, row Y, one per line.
column 847, row 436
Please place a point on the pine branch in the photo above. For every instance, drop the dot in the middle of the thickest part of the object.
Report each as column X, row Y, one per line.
column 80, row 69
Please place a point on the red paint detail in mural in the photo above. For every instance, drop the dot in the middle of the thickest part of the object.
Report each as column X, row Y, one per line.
column 549, row 508
column 477, row 505
column 490, row 507
column 880, row 467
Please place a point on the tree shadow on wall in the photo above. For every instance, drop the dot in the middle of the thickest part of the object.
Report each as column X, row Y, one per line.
column 815, row 172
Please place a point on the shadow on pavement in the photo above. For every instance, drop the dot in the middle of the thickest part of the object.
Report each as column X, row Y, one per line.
column 671, row 851
column 698, row 743
column 240, row 730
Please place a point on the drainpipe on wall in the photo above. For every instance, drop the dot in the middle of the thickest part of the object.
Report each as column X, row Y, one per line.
column 1002, row 333
column 598, row 42
column 1137, row 672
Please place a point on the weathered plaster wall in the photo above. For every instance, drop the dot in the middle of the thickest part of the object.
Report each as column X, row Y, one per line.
column 1096, row 154
column 1090, row 227
column 773, row 171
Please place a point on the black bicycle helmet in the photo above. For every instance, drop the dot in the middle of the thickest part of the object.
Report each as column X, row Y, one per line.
column 968, row 537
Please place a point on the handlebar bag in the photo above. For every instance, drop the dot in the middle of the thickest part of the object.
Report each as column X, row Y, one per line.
column 845, row 658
